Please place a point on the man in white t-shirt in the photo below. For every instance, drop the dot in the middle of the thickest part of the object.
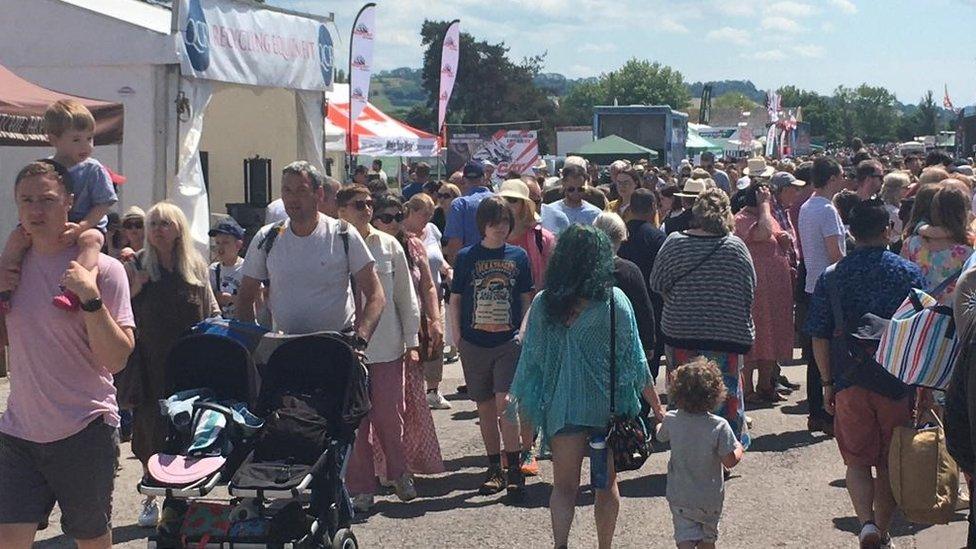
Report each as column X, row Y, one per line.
column 821, row 233
column 572, row 204
column 275, row 211
column 309, row 261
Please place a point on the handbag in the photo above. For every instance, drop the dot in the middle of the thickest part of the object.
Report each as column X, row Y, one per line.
column 924, row 477
column 852, row 352
column 628, row 437
column 920, row 346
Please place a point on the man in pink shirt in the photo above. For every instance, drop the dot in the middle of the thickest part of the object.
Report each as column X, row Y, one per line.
column 58, row 436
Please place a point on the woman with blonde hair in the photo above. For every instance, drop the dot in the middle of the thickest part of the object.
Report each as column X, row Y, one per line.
column 706, row 277
column 170, row 292
column 445, row 196
column 893, row 190
column 528, row 233
column 627, row 182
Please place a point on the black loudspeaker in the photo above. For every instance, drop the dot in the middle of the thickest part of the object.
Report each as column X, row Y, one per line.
column 257, row 181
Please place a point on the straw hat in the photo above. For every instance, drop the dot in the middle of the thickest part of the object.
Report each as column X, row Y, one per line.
column 693, row 188
column 514, row 188
column 756, row 167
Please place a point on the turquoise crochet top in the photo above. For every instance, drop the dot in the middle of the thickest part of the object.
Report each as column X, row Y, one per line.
column 563, row 374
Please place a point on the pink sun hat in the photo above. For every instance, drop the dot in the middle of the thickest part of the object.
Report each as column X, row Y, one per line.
column 181, row 470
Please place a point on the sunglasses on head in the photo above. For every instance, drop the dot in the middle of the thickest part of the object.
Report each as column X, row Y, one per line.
column 132, row 225
column 361, row 204
column 388, row 217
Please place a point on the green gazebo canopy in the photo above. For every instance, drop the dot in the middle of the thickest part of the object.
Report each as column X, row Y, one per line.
column 613, row 147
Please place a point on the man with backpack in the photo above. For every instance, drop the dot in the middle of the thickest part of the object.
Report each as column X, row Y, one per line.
column 311, row 262
column 868, row 403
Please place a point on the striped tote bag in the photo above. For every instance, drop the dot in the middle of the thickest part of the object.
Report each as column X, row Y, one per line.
column 920, row 346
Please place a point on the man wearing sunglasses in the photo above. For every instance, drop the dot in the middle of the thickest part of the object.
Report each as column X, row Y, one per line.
column 309, row 262
column 572, row 203
column 869, row 176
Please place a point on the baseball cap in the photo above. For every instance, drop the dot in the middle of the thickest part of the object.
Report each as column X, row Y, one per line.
column 781, row 180
column 473, row 170
column 227, row 226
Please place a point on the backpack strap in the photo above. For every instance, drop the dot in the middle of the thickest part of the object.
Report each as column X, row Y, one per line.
column 268, row 240
column 538, row 238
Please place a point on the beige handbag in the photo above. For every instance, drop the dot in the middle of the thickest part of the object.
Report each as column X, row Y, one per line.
column 924, row 477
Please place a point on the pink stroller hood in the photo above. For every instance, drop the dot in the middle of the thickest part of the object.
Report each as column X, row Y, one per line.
column 182, row 470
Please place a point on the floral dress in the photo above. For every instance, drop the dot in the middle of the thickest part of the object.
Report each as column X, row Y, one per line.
column 937, row 265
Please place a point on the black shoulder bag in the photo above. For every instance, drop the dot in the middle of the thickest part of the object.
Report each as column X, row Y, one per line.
column 627, row 436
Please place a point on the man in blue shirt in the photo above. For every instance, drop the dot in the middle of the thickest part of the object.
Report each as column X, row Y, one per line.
column 552, row 219
column 572, row 204
column 461, row 229
column 421, row 173
column 868, row 280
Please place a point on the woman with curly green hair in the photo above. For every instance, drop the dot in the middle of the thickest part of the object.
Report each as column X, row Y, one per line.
column 563, row 377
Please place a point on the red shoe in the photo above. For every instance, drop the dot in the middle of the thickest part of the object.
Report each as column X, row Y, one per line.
column 66, row 301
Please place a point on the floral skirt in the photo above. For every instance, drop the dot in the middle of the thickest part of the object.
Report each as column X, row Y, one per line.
column 420, row 444
column 730, row 364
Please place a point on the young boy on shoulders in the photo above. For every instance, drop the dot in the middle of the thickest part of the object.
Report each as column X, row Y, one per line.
column 492, row 290
column 70, row 128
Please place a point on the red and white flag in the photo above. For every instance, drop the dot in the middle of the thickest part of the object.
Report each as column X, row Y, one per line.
column 361, row 59
column 449, row 61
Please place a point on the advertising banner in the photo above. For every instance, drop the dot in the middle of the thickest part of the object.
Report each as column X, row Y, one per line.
column 449, row 67
column 361, row 59
column 511, row 151
column 234, row 42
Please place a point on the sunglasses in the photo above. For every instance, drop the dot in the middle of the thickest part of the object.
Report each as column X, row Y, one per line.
column 361, row 204
column 388, row 217
column 444, row 196
column 132, row 225
column 570, row 190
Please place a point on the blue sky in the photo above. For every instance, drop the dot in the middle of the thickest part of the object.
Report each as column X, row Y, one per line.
column 908, row 46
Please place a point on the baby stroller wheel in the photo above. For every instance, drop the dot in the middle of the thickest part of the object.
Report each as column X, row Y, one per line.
column 344, row 539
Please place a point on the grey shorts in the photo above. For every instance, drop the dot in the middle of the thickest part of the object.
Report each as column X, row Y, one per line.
column 77, row 472
column 488, row 370
column 695, row 524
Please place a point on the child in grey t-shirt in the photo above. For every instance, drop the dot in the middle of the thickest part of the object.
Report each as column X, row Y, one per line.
column 702, row 445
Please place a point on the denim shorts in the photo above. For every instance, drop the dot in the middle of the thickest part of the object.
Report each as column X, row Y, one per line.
column 573, row 429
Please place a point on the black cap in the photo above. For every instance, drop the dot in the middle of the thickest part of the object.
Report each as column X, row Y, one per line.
column 473, row 170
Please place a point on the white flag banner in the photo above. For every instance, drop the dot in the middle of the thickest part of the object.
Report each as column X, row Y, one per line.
column 361, row 59
column 449, row 61
column 234, row 42
column 771, row 140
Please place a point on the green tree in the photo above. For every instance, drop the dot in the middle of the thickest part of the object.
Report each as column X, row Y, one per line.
column 817, row 110
column 734, row 101
column 927, row 115
column 490, row 87
column 876, row 111
column 638, row 82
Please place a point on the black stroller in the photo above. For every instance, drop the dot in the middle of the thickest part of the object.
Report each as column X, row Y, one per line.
column 213, row 368
column 313, row 394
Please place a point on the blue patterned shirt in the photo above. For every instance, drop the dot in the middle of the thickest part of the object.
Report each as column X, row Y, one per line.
column 869, row 280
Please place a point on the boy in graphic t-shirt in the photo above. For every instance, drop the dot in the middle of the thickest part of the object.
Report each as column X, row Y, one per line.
column 227, row 272
column 492, row 290
column 70, row 128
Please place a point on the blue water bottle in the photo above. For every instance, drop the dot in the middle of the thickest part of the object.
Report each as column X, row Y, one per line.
column 598, row 462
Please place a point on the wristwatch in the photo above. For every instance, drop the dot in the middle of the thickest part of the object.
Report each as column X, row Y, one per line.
column 92, row 305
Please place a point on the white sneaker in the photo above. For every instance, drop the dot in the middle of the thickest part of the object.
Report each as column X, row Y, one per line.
column 888, row 544
column 363, row 502
column 404, row 488
column 436, row 401
column 149, row 516
column 870, row 537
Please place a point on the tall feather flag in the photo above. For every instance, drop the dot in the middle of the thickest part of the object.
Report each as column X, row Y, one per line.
column 450, row 51
column 360, row 65
column 946, row 101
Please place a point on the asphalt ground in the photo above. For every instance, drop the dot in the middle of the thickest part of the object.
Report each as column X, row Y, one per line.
column 787, row 492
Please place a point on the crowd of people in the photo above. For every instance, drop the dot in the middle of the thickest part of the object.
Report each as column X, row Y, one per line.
column 531, row 280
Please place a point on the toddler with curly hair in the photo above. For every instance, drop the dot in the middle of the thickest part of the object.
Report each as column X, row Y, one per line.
column 702, row 445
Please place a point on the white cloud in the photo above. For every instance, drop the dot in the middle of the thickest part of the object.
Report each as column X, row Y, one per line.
column 789, row 8
column 845, row 6
column 728, row 34
column 808, row 50
column 781, row 24
column 580, row 71
column 827, row 26
column 769, row 55
column 670, row 25
column 598, row 48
